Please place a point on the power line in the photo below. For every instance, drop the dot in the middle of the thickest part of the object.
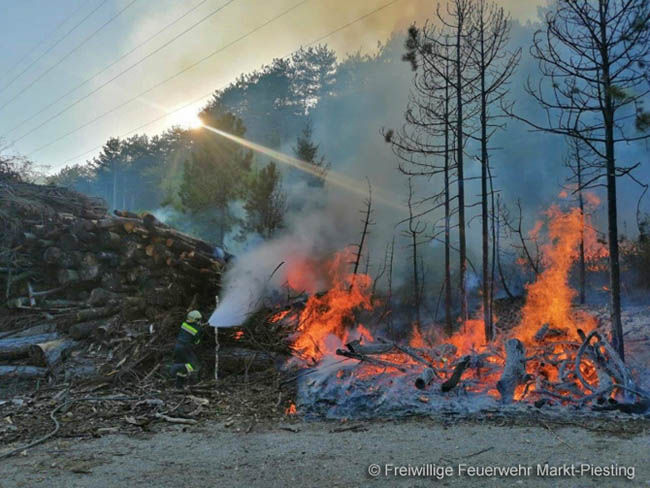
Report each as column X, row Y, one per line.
column 158, row 49
column 153, row 121
column 45, row 39
column 195, row 100
column 193, row 65
column 53, row 46
column 66, row 56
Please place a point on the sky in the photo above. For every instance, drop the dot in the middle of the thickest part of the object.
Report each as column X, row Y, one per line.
column 54, row 55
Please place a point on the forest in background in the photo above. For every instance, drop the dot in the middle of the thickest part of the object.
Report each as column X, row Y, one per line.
column 346, row 115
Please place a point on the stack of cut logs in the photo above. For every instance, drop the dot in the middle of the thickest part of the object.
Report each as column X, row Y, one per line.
column 66, row 263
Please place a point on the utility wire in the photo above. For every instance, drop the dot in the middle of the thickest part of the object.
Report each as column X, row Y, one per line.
column 53, row 46
column 195, row 100
column 45, row 39
column 175, row 75
column 106, row 68
column 66, row 56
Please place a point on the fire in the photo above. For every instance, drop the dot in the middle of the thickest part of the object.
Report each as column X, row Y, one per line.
column 279, row 316
column 549, row 299
column 238, row 335
column 326, row 321
column 304, row 275
column 291, row 409
column 548, row 330
column 471, row 338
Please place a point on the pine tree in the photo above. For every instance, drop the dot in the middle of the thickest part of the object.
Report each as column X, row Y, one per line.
column 306, row 150
column 266, row 202
column 215, row 174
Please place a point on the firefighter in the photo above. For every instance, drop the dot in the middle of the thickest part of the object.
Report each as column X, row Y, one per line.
column 185, row 360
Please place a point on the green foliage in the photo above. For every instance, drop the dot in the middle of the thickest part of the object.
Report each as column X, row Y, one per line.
column 642, row 121
column 618, row 94
column 307, row 151
column 266, row 203
column 216, row 173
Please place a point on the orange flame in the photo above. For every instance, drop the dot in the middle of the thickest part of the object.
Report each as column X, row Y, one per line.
column 291, row 409
column 326, row 321
column 549, row 298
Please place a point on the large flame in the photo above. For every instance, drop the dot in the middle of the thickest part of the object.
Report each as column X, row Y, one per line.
column 549, row 299
column 328, row 319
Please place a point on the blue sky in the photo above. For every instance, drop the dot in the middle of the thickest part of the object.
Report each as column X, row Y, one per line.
column 28, row 30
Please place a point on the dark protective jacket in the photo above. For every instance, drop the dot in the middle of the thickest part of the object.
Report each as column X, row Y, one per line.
column 190, row 334
column 185, row 359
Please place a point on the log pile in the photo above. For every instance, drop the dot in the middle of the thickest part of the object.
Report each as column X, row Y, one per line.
column 87, row 274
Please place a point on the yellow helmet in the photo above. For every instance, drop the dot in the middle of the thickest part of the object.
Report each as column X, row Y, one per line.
column 194, row 316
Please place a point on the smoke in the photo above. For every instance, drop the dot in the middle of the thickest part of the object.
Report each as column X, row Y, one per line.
column 320, row 228
column 372, row 93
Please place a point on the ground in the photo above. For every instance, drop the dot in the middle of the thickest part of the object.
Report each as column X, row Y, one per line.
column 314, row 454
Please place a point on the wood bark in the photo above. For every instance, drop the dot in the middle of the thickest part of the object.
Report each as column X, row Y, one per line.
column 514, row 372
column 22, row 372
column 50, row 354
column 455, row 377
column 18, row 348
column 425, row 378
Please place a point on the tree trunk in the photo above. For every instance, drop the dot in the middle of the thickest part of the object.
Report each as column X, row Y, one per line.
column 416, row 285
column 487, row 312
column 50, row 353
column 22, row 372
column 18, row 348
column 612, row 214
column 581, row 263
column 448, row 319
column 514, row 372
column 461, row 180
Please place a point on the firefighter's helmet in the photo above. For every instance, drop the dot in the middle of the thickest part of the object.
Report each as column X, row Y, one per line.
column 194, row 316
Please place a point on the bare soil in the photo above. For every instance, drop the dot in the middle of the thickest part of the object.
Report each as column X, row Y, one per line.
column 331, row 454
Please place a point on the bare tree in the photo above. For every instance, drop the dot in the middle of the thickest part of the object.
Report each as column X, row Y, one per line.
column 430, row 132
column 595, row 54
column 459, row 22
column 494, row 66
column 415, row 229
column 367, row 222
column 583, row 168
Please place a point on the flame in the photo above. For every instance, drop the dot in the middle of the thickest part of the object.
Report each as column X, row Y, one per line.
column 327, row 320
column 549, row 299
column 304, row 275
column 291, row 409
column 238, row 335
column 279, row 316
column 417, row 339
column 472, row 337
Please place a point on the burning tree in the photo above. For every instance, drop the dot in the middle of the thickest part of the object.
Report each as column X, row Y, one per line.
column 595, row 53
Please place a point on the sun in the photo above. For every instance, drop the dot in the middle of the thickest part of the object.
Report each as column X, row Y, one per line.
column 187, row 118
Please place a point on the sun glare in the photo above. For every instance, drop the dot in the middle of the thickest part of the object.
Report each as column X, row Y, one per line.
column 187, row 118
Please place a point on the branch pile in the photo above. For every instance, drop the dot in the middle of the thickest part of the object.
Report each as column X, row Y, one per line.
column 70, row 267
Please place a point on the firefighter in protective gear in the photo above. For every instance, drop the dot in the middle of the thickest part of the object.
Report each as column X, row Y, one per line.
column 185, row 360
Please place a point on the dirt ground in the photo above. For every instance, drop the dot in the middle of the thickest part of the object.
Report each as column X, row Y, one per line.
column 328, row 454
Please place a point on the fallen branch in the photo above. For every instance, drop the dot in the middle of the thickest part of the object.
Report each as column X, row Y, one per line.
column 175, row 420
column 454, row 379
